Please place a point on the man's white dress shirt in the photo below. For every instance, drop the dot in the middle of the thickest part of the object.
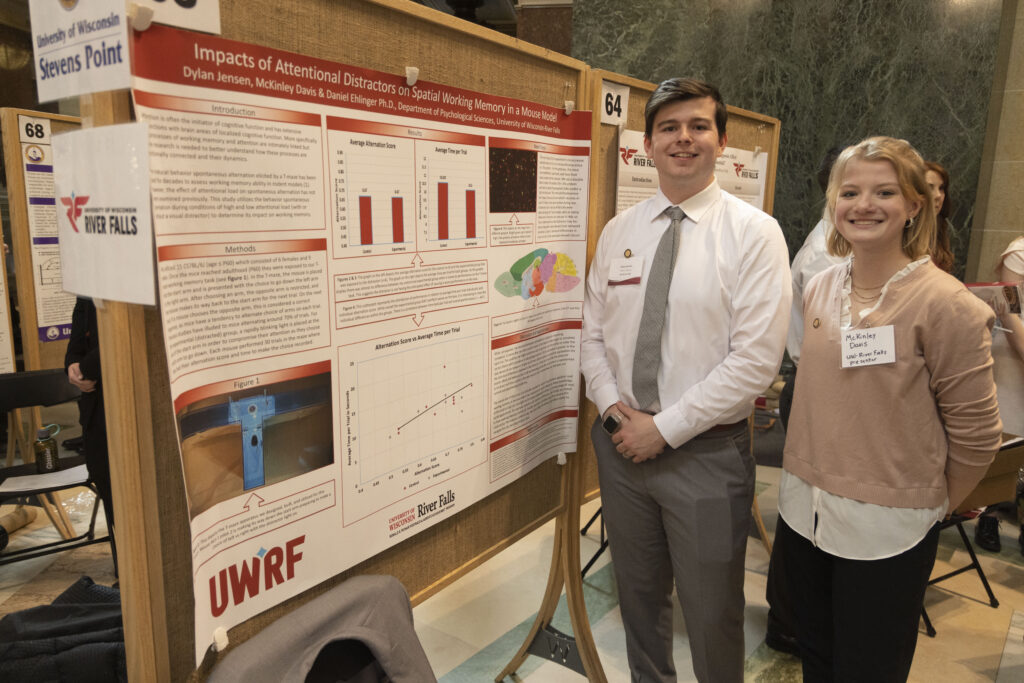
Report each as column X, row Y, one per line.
column 725, row 327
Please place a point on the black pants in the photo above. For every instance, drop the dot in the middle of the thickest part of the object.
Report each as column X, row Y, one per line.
column 780, row 613
column 856, row 620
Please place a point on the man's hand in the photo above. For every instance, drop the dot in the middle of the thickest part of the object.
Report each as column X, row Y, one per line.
column 638, row 438
column 76, row 377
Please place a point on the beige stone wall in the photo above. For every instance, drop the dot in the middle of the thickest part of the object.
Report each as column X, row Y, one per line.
column 1000, row 212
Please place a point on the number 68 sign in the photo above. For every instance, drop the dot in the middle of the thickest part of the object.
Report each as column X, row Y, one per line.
column 614, row 103
column 34, row 130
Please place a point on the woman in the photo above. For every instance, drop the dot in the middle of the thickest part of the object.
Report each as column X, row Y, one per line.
column 894, row 421
column 938, row 182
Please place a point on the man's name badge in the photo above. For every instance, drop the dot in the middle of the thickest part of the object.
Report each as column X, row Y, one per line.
column 869, row 346
column 626, row 271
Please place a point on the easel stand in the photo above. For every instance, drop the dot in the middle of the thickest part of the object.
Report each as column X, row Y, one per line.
column 603, row 541
column 577, row 653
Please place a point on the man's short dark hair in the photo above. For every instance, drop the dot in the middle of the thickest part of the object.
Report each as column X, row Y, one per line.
column 680, row 90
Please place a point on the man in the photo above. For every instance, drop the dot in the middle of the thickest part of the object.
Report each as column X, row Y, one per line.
column 82, row 365
column 676, row 359
column 812, row 258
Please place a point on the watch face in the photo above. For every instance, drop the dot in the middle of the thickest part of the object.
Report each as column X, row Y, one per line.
column 610, row 424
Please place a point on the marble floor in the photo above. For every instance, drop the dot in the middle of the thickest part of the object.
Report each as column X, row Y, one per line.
column 471, row 629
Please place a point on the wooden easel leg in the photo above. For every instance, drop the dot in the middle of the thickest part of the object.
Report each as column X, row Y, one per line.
column 12, row 437
column 578, row 653
column 55, row 518
column 547, row 606
column 58, row 502
column 16, row 439
column 574, row 583
column 756, row 511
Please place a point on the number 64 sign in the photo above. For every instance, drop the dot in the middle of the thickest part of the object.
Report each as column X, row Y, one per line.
column 614, row 103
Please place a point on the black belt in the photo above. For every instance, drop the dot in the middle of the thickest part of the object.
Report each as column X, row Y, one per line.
column 718, row 429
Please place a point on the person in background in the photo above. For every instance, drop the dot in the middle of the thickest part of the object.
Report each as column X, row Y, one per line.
column 1011, row 270
column 684, row 325
column 1008, row 353
column 938, row 182
column 894, row 421
column 812, row 258
column 82, row 364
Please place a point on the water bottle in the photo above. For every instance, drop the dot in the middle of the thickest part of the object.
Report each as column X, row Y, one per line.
column 1020, row 499
column 45, row 447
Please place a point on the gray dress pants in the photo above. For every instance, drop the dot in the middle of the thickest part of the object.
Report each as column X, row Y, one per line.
column 684, row 515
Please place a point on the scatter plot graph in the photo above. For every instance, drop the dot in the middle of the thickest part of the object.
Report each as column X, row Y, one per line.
column 417, row 405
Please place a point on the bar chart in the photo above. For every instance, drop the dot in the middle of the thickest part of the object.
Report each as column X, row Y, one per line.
column 451, row 181
column 374, row 193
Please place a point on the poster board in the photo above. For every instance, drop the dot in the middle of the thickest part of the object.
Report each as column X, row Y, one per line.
column 372, row 369
column 39, row 352
column 149, row 495
column 746, row 130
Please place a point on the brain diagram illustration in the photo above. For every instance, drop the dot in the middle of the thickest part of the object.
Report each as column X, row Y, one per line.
column 540, row 270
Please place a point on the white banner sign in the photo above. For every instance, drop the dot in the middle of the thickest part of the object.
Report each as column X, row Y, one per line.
column 80, row 47
column 106, row 236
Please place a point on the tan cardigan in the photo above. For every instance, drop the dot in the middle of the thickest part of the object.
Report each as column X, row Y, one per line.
column 909, row 433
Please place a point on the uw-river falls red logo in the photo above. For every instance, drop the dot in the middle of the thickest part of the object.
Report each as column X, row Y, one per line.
column 627, row 154
column 74, row 205
column 739, row 167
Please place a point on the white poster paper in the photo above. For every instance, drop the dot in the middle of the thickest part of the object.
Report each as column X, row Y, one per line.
column 742, row 174
column 53, row 305
column 637, row 178
column 198, row 15
column 79, row 47
column 106, row 237
column 614, row 103
column 1008, row 367
column 372, row 301
column 739, row 172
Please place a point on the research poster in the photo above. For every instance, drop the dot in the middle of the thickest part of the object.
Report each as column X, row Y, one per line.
column 372, row 303
column 53, row 305
column 739, row 172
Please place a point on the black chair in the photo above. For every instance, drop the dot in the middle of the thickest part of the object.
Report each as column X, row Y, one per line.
column 958, row 520
column 27, row 390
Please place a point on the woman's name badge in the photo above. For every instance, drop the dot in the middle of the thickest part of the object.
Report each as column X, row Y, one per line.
column 626, row 271
column 869, row 346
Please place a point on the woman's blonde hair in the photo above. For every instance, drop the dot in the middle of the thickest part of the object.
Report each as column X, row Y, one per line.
column 919, row 236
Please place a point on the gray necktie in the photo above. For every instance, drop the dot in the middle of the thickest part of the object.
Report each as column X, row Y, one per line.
column 647, row 357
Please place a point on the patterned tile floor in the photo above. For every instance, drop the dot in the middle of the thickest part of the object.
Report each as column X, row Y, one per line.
column 471, row 629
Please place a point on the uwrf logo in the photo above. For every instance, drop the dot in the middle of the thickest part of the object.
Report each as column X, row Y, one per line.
column 242, row 580
column 74, row 205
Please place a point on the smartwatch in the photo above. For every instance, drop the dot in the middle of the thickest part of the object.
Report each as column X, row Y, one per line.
column 611, row 423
